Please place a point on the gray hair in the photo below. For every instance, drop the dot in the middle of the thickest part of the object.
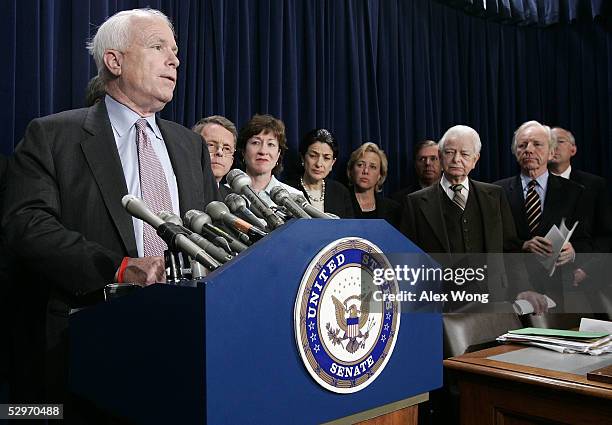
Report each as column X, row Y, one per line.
column 114, row 33
column 420, row 146
column 552, row 143
column 572, row 139
column 459, row 131
column 219, row 120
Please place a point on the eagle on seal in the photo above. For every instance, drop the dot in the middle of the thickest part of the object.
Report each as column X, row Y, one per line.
column 351, row 319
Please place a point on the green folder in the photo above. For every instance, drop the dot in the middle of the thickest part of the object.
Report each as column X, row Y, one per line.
column 559, row 333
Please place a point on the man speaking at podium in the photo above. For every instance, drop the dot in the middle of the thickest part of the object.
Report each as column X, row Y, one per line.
column 63, row 217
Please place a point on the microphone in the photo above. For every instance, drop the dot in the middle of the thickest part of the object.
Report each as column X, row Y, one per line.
column 219, row 212
column 241, row 184
column 171, row 233
column 216, row 252
column 312, row 211
column 237, row 204
column 281, row 196
column 170, row 217
column 200, row 222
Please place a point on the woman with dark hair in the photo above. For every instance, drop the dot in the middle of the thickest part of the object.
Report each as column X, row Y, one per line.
column 262, row 144
column 319, row 152
column 367, row 171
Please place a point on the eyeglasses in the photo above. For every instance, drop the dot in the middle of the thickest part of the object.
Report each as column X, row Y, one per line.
column 213, row 148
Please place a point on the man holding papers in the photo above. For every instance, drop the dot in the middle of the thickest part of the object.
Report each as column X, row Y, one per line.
column 589, row 269
column 460, row 217
column 540, row 200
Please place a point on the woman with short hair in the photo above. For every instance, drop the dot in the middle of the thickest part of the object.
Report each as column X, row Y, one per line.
column 262, row 144
column 367, row 170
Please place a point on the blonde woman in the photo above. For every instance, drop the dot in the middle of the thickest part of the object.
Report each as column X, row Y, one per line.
column 367, row 171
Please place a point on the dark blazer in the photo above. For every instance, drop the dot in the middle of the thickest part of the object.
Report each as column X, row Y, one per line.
column 337, row 198
column 564, row 199
column 64, row 221
column 402, row 193
column 423, row 219
column 423, row 223
column 224, row 190
column 597, row 218
column 3, row 162
column 386, row 209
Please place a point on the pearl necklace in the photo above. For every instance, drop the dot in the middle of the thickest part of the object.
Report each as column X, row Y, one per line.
column 312, row 198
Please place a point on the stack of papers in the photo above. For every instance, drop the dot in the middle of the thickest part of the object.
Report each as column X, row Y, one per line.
column 593, row 343
column 558, row 237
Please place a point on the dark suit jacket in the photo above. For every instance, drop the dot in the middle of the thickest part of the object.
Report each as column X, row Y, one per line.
column 598, row 216
column 337, row 198
column 423, row 223
column 564, row 199
column 63, row 217
column 3, row 162
column 224, row 190
column 402, row 193
column 597, row 219
column 386, row 209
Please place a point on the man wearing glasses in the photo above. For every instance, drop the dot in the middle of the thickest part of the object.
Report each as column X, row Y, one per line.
column 220, row 136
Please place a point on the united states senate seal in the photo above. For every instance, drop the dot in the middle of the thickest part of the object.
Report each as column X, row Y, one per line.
column 344, row 336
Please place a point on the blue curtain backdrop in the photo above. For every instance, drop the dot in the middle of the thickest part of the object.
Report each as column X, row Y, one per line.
column 391, row 71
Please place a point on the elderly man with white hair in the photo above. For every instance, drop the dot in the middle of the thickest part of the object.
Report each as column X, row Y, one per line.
column 460, row 216
column 63, row 218
column 539, row 200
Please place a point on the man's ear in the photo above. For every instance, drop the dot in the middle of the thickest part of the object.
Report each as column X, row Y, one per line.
column 573, row 150
column 113, row 59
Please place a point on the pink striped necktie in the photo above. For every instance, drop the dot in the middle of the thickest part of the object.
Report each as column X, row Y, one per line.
column 153, row 186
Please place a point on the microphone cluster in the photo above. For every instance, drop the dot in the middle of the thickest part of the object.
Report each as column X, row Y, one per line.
column 214, row 237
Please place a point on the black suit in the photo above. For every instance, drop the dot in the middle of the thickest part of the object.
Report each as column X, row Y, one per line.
column 224, row 190
column 337, row 198
column 386, row 209
column 402, row 193
column 598, row 222
column 564, row 199
column 598, row 216
column 67, row 228
column 424, row 224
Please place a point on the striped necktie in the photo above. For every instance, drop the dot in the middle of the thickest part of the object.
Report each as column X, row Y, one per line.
column 533, row 207
column 153, row 186
column 458, row 199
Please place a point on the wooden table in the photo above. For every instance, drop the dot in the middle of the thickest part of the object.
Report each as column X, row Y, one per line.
column 498, row 392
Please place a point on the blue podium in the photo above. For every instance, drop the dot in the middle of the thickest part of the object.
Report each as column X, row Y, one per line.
column 223, row 350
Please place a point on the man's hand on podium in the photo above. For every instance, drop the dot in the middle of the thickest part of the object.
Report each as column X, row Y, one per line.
column 146, row 270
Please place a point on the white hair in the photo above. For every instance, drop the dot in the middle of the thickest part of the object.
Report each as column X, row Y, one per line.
column 551, row 141
column 460, row 131
column 114, row 33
